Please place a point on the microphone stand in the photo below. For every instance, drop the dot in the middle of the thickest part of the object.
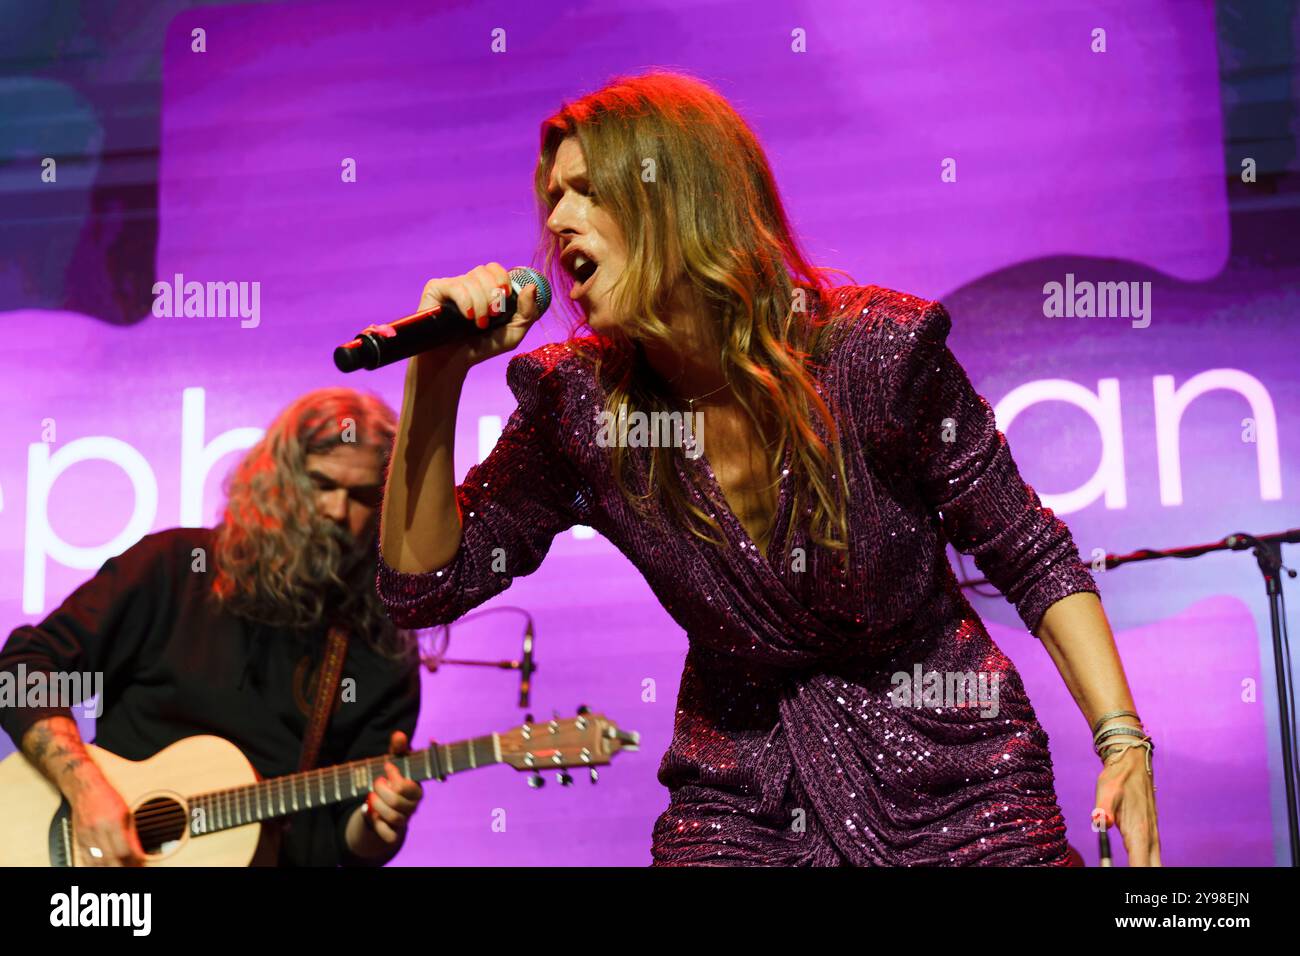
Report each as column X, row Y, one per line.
column 1268, row 555
column 526, row 665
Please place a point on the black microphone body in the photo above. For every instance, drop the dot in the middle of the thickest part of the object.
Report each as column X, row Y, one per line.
column 431, row 328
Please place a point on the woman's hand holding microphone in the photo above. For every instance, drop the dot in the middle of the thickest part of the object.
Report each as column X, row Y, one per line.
column 420, row 528
column 479, row 295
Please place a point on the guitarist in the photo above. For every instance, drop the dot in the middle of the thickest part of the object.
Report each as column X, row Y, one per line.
column 222, row 631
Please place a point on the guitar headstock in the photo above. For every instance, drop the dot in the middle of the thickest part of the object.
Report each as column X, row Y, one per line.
column 562, row 743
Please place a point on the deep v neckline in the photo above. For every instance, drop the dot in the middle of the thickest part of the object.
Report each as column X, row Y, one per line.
column 729, row 521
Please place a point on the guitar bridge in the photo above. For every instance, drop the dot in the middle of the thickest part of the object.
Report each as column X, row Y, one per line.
column 61, row 836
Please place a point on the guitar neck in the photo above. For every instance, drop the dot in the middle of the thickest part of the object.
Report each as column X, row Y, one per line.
column 282, row 796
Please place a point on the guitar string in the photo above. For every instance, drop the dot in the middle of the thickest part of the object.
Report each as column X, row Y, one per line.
column 307, row 779
column 152, row 821
column 169, row 822
column 245, row 797
column 153, row 816
column 166, row 820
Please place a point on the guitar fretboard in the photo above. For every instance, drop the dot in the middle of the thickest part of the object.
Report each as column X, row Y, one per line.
column 281, row 796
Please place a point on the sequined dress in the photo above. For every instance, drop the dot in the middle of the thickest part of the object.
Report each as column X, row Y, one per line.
column 792, row 744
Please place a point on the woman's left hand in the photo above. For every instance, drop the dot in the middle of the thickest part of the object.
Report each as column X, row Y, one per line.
column 1126, row 795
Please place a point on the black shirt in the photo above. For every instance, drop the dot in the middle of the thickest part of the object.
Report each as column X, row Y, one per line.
column 176, row 665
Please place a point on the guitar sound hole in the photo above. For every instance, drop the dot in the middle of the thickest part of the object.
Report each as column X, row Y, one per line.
column 161, row 823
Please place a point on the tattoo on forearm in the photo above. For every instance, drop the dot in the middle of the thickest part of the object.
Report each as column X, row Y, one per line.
column 40, row 739
column 55, row 747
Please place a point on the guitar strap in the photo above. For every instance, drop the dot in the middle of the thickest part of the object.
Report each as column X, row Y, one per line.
column 331, row 670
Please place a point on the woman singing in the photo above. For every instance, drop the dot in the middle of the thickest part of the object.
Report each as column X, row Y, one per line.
column 797, row 534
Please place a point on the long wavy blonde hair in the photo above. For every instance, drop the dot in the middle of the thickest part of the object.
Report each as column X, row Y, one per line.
column 277, row 561
column 708, row 212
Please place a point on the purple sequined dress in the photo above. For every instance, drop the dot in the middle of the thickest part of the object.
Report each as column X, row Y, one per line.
column 787, row 747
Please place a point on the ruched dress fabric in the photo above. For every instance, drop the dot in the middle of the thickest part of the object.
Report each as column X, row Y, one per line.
column 787, row 747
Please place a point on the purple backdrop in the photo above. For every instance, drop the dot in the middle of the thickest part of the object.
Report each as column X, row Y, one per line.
column 1107, row 166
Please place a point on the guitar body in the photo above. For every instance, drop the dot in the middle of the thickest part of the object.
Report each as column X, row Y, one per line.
column 36, row 829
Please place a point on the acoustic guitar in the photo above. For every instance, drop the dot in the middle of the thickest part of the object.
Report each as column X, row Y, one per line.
column 199, row 802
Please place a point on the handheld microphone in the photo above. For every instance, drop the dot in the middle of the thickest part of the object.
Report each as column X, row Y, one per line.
column 383, row 345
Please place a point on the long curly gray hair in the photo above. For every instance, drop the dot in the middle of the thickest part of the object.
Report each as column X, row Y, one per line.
column 277, row 561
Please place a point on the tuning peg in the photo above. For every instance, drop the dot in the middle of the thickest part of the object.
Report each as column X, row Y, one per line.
column 564, row 779
column 536, row 781
column 583, row 709
column 594, row 776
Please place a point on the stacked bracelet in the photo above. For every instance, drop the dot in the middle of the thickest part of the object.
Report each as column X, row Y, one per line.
column 1111, row 716
column 1125, row 731
column 1107, row 750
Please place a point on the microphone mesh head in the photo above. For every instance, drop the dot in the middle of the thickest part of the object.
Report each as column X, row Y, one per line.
column 522, row 276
